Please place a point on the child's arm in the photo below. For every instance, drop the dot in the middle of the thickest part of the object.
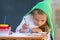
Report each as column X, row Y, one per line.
column 36, row 30
column 21, row 26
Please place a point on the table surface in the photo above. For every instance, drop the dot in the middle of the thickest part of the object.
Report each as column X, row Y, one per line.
column 21, row 35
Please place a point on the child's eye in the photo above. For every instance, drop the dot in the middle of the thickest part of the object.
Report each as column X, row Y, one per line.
column 42, row 20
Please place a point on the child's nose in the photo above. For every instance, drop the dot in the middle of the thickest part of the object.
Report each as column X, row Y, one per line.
column 39, row 22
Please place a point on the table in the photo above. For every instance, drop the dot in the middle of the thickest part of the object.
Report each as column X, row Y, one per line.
column 20, row 38
column 17, row 36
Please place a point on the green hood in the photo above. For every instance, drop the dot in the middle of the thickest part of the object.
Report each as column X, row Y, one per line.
column 46, row 7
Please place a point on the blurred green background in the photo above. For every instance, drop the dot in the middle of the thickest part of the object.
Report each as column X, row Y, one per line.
column 56, row 18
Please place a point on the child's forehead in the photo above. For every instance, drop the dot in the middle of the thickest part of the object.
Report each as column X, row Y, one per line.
column 38, row 12
column 41, row 17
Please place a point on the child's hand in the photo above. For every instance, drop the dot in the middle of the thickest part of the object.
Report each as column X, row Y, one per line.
column 22, row 30
column 36, row 30
column 25, row 26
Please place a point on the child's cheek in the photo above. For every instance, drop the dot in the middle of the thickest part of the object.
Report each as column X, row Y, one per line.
column 36, row 22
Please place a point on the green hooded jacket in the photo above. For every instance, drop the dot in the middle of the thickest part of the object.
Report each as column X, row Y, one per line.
column 46, row 7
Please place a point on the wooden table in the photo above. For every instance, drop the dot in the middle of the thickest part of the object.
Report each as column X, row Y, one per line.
column 20, row 38
column 10, row 37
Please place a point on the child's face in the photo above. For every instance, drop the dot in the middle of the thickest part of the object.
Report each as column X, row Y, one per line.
column 39, row 19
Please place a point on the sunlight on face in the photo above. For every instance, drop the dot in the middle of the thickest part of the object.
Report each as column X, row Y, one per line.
column 39, row 19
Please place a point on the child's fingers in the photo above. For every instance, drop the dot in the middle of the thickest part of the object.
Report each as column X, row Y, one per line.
column 22, row 30
column 25, row 25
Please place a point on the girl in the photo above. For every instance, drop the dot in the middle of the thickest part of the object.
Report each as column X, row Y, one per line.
column 34, row 23
column 38, row 19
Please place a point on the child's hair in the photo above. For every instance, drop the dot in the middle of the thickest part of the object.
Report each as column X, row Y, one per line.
column 39, row 11
column 45, row 27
